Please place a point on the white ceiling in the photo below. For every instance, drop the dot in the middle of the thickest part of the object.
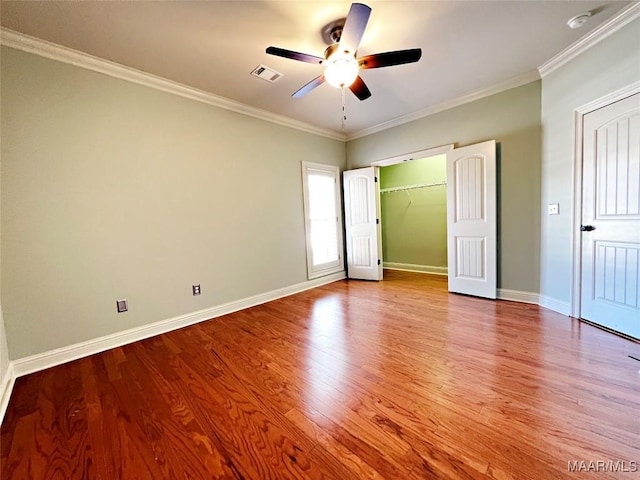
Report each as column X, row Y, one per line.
column 214, row 45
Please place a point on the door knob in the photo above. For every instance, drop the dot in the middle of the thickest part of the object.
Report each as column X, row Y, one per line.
column 587, row 228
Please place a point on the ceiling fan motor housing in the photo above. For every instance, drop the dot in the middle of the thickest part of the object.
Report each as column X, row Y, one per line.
column 336, row 33
column 331, row 49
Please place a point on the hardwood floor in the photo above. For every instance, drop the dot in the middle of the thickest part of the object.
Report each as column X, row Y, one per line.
column 397, row 379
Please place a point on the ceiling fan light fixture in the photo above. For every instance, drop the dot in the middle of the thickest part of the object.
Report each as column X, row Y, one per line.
column 341, row 66
column 341, row 71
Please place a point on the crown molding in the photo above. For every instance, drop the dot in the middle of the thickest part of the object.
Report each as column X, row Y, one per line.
column 508, row 84
column 69, row 56
column 624, row 17
column 56, row 52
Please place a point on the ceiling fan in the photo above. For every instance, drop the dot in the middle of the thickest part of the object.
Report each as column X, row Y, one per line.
column 341, row 64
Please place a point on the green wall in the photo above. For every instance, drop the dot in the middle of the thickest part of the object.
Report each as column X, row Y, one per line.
column 414, row 222
column 114, row 190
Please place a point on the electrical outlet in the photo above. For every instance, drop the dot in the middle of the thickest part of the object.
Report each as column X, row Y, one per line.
column 196, row 289
column 122, row 306
column 553, row 209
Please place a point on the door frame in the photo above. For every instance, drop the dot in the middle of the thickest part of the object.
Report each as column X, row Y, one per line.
column 406, row 157
column 395, row 160
column 576, row 213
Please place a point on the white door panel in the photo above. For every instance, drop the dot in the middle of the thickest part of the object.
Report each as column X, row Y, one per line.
column 362, row 225
column 611, row 214
column 471, row 220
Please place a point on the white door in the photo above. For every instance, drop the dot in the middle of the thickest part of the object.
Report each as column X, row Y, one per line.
column 362, row 224
column 611, row 217
column 471, row 220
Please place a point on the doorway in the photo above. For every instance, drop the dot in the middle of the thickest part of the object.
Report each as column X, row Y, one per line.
column 471, row 218
column 610, row 216
column 413, row 205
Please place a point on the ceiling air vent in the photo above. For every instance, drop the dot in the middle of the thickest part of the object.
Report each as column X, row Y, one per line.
column 266, row 73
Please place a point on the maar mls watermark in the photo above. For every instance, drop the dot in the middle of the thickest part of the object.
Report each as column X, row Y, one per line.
column 603, row 466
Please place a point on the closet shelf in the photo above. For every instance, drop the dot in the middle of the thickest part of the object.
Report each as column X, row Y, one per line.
column 411, row 187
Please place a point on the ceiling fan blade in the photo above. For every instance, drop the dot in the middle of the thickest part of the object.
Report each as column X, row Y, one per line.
column 388, row 59
column 360, row 89
column 354, row 27
column 302, row 57
column 316, row 82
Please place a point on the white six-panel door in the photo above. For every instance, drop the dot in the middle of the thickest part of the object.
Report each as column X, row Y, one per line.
column 471, row 220
column 362, row 224
column 610, row 280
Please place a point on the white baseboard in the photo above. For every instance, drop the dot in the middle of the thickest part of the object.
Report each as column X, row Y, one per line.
column 518, row 296
column 555, row 305
column 409, row 267
column 41, row 361
column 6, row 387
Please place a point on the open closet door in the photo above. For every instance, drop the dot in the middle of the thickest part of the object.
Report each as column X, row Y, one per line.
column 362, row 224
column 471, row 220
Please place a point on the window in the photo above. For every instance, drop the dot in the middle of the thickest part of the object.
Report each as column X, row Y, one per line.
column 323, row 223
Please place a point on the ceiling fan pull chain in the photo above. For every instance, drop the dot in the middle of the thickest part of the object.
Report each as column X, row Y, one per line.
column 344, row 112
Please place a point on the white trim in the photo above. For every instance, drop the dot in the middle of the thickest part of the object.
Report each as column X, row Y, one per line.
column 518, row 296
column 576, row 218
column 69, row 56
column 556, row 305
column 508, row 84
column 407, row 157
column 612, row 97
column 41, row 361
column 53, row 51
column 6, row 387
column 409, row 267
column 576, row 194
column 624, row 17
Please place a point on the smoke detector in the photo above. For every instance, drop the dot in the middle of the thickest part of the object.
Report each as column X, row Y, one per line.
column 578, row 20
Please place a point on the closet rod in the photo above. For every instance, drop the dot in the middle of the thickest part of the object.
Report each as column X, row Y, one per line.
column 411, row 187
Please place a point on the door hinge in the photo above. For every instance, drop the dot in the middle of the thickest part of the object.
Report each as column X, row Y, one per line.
column 378, row 261
column 375, row 179
column 377, row 221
